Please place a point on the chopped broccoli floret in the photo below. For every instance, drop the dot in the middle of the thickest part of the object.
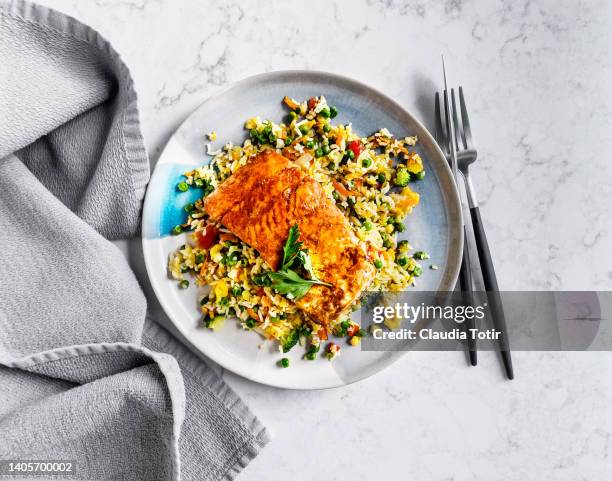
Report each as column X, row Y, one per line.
column 314, row 348
column 403, row 246
column 214, row 323
column 291, row 340
column 402, row 177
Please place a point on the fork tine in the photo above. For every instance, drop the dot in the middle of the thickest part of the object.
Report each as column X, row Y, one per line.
column 446, row 126
column 459, row 139
column 439, row 134
column 466, row 121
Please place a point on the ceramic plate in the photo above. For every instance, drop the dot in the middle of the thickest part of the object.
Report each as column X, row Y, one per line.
column 434, row 226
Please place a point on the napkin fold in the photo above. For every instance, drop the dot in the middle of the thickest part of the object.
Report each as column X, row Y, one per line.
column 84, row 375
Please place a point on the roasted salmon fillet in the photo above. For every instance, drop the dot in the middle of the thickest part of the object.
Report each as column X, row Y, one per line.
column 262, row 200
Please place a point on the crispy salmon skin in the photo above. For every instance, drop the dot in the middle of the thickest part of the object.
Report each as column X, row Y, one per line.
column 262, row 200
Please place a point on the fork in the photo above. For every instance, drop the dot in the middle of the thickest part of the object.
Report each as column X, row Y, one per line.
column 465, row 272
column 466, row 155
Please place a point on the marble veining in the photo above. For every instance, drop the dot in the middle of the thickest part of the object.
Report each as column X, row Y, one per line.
column 537, row 76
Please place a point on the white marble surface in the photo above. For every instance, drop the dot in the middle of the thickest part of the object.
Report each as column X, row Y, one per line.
column 538, row 79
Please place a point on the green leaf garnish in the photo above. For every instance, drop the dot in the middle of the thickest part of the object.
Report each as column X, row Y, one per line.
column 307, row 264
column 292, row 248
column 290, row 283
column 287, row 281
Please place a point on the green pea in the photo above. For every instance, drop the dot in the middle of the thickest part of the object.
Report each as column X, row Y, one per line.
column 288, row 141
column 310, row 144
column 184, row 268
column 189, row 208
column 224, row 301
column 367, row 162
column 420, row 255
column 292, row 116
column 182, row 186
column 310, row 356
column 350, row 154
column 304, row 129
column 333, row 112
column 236, row 290
column 284, row 362
column 326, row 149
column 177, row 230
column 331, row 166
column 378, row 264
column 319, row 152
column 381, row 178
column 325, row 112
column 402, row 261
column 184, row 284
column 326, row 128
column 367, row 225
column 419, row 175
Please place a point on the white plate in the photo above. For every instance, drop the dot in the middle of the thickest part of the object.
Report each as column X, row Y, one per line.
column 434, row 226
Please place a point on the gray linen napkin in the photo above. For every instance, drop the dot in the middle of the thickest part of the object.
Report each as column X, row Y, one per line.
column 84, row 376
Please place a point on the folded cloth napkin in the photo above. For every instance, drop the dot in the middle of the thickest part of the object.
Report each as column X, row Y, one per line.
column 84, row 376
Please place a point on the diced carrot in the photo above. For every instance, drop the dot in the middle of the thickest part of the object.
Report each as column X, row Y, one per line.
column 289, row 102
column 228, row 236
column 351, row 331
column 343, row 191
column 322, row 333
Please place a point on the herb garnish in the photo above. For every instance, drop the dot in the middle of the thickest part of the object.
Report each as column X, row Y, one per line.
column 287, row 280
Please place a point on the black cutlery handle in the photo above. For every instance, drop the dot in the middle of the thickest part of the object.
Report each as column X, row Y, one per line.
column 465, row 282
column 490, row 282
